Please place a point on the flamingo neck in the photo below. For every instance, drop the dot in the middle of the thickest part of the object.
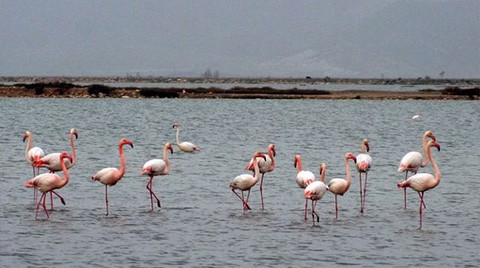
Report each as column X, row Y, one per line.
column 436, row 171
column 425, row 151
column 348, row 176
column 364, row 148
column 166, row 160
column 66, row 176
column 270, row 154
column 299, row 165
column 256, row 169
column 323, row 175
column 74, row 154
column 29, row 146
column 178, row 131
column 123, row 161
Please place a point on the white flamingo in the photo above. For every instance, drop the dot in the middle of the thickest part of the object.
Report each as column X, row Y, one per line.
column 265, row 165
column 422, row 182
column 316, row 190
column 363, row 165
column 32, row 154
column 339, row 186
column 157, row 167
column 412, row 161
column 303, row 179
column 184, row 146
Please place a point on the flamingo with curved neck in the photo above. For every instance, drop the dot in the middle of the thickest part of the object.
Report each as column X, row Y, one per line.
column 339, row 186
column 245, row 182
column 110, row 176
column 303, row 179
column 363, row 165
column 32, row 154
column 422, row 182
column 156, row 167
column 48, row 182
column 316, row 190
column 265, row 165
column 412, row 161
column 184, row 146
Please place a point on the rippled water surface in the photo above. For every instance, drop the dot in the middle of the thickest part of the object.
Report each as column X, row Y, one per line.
column 201, row 223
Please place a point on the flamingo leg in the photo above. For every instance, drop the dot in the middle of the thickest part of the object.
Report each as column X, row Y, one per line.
column 38, row 205
column 420, row 209
column 421, row 199
column 51, row 200
column 361, row 196
column 35, row 191
column 106, row 199
column 152, row 194
column 364, row 192
column 314, row 212
column 261, row 189
column 336, row 208
column 405, row 191
column 306, row 208
column 243, row 201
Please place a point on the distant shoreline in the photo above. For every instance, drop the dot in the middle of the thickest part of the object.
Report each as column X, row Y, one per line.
column 48, row 87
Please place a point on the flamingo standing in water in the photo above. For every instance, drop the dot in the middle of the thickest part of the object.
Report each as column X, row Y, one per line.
column 32, row 154
column 48, row 182
column 110, row 176
column 265, row 165
column 363, row 165
column 340, row 186
column 303, row 179
column 412, row 161
column 316, row 190
column 157, row 167
column 52, row 161
column 422, row 182
column 184, row 146
column 245, row 182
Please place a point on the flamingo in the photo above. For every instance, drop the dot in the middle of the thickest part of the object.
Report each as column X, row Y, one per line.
column 245, row 182
column 423, row 182
column 412, row 161
column 266, row 165
column 32, row 154
column 184, row 146
column 304, row 178
column 363, row 165
column 156, row 167
column 48, row 182
column 315, row 191
column 340, row 186
column 110, row 176
column 52, row 161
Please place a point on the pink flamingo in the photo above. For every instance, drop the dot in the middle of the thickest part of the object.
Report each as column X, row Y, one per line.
column 48, row 182
column 157, row 167
column 245, row 182
column 316, row 190
column 267, row 165
column 52, row 161
column 110, row 176
column 412, row 161
column 423, row 182
column 304, row 178
column 363, row 165
column 32, row 154
column 340, row 186
column 184, row 146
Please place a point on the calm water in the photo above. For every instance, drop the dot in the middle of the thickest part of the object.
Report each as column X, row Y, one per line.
column 200, row 223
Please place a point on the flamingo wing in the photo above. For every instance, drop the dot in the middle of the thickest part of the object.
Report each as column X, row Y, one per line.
column 420, row 182
column 34, row 154
column 364, row 162
column 338, row 186
column 108, row 176
column 304, row 178
column 154, row 167
column 411, row 162
column 243, row 182
column 315, row 190
column 43, row 182
column 188, row 147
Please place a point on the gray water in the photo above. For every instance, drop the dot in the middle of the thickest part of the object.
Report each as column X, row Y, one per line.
column 201, row 223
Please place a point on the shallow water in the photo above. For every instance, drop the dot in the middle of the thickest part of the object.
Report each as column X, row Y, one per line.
column 201, row 223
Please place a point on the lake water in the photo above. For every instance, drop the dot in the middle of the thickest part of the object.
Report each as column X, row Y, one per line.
column 201, row 223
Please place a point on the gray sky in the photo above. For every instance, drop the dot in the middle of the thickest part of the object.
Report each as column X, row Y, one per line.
column 337, row 38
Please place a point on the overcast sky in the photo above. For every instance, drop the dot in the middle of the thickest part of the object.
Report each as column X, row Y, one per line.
column 277, row 38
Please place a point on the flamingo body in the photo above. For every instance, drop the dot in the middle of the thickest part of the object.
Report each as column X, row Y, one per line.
column 265, row 164
column 339, row 186
column 304, row 178
column 185, row 146
column 52, row 161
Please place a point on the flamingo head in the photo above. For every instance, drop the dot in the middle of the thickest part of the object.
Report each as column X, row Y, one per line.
column 176, row 125
column 125, row 141
column 298, row 159
column 168, row 146
column 65, row 155
column 429, row 134
column 350, row 156
column 74, row 132
column 365, row 143
column 26, row 135
column 433, row 143
column 271, row 148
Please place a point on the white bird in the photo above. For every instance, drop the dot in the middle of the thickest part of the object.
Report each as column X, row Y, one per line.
column 32, row 154
column 265, row 165
column 316, row 190
column 245, row 182
column 304, row 178
column 339, row 186
column 184, row 146
column 414, row 160
column 363, row 165
column 157, row 167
